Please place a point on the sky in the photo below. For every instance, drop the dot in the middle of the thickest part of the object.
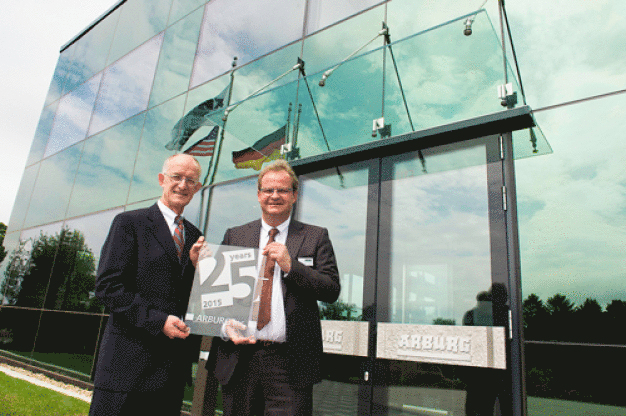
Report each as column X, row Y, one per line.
column 32, row 33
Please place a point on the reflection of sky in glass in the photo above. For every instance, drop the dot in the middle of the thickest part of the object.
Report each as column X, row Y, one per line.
column 230, row 205
column 342, row 210
column 322, row 13
column 106, row 167
column 53, row 187
column 72, row 117
column 572, row 205
column 152, row 152
column 94, row 228
column 176, row 58
column 126, row 86
column 20, row 206
column 139, row 20
column 245, row 34
column 42, row 134
column 440, row 243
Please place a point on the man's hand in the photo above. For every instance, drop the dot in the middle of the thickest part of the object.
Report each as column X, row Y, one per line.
column 175, row 328
column 278, row 252
column 235, row 330
column 198, row 249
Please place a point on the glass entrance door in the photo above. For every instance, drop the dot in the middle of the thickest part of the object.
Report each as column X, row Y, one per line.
column 421, row 325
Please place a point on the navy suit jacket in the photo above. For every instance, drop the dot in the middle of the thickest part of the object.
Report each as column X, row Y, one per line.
column 141, row 281
column 302, row 288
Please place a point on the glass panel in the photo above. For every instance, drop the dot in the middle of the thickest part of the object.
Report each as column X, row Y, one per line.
column 29, row 267
column 440, row 253
column 139, row 21
column 18, row 329
column 552, row 69
column 245, row 33
column 181, row 8
column 90, row 52
column 40, row 141
column 176, row 59
column 22, row 199
column 10, row 244
column 337, row 200
column 572, row 222
column 322, row 51
column 72, row 116
column 60, row 73
column 108, row 158
column 222, row 214
column 117, row 101
column 53, row 187
column 322, row 13
column 157, row 132
column 75, row 353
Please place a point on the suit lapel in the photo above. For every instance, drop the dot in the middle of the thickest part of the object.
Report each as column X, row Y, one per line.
column 295, row 238
column 162, row 232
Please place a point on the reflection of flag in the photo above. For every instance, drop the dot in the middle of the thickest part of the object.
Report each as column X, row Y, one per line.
column 264, row 150
column 204, row 114
column 204, row 146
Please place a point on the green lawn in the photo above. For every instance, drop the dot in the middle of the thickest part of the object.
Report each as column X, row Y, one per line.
column 20, row 398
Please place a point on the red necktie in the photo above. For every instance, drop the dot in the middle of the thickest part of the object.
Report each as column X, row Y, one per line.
column 179, row 240
column 265, row 308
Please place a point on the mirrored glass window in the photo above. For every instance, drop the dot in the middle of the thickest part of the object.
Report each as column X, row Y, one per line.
column 181, row 8
column 336, row 199
column 72, row 116
column 572, row 222
column 18, row 330
column 229, row 205
column 40, row 141
column 8, row 267
column 53, row 187
column 440, row 253
column 245, row 34
column 126, row 86
column 105, row 168
column 90, row 52
column 139, row 21
column 30, row 265
column 176, row 58
column 157, row 133
column 60, row 73
column 22, row 199
column 322, row 13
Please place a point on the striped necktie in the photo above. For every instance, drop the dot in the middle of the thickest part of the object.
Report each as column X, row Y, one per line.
column 179, row 239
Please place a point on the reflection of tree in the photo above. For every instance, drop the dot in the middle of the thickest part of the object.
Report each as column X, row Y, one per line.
column 339, row 311
column 58, row 272
column 559, row 319
column 3, row 230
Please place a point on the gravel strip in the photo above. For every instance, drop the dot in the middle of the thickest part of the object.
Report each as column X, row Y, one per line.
column 68, row 388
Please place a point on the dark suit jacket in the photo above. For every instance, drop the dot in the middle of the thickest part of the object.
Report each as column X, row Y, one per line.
column 141, row 281
column 302, row 288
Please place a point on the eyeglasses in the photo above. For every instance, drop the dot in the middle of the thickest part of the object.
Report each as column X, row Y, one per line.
column 179, row 179
column 270, row 191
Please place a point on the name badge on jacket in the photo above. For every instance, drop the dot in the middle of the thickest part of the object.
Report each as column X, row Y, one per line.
column 307, row 261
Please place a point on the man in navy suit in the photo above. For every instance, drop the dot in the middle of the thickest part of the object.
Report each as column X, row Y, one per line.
column 144, row 278
column 270, row 368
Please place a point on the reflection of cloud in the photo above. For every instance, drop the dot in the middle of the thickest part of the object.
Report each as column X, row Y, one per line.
column 126, row 86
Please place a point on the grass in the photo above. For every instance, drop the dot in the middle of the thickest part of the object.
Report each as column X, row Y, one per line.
column 20, row 398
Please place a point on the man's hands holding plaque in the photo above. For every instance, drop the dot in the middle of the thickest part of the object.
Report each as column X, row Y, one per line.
column 236, row 332
column 199, row 250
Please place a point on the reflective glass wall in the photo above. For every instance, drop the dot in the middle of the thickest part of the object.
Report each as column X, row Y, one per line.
column 155, row 77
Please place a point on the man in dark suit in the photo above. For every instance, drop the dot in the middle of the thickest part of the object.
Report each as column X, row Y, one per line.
column 270, row 365
column 144, row 278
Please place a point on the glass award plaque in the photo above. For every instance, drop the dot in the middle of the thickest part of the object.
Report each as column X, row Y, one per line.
column 223, row 288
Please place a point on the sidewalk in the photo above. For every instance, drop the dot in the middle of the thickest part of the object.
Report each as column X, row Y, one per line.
column 43, row 381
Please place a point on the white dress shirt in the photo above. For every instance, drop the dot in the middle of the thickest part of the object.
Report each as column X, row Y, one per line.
column 169, row 216
column 276, row 329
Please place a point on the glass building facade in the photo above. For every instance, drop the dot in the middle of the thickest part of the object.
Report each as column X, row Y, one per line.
column 355, row 91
